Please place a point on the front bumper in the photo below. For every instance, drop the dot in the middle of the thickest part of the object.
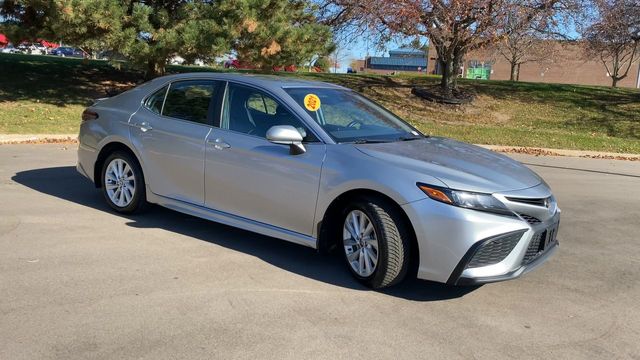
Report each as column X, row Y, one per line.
column 449, row 237
column 523, row 269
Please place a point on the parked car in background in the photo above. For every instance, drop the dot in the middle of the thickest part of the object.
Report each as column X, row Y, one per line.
column 32, row 48
column 10, row 49
column 48, row 44
column 288, row 68
column 4, row 41
column 238, row 65
column 66, row 51
column 322, row 166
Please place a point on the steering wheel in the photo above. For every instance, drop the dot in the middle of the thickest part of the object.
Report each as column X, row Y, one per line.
column 354, row 123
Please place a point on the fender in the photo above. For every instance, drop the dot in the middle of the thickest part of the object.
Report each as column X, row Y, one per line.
column 342, row 172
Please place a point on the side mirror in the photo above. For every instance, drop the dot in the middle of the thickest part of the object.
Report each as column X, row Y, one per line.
column 287, row 135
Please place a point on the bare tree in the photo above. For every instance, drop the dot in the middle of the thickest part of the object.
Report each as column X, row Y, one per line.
column 454, row 27
column 337, row 57
column 526, row 43
column 614, row 37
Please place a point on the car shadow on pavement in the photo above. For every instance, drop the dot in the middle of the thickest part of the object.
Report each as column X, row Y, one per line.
column 66, row 184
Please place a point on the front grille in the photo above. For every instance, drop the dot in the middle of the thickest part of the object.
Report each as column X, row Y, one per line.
column 530, row 219
column 495, row 250
column 530, row 201
column 534, row 248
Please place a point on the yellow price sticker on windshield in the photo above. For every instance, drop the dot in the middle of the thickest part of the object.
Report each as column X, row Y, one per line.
column 312, row 102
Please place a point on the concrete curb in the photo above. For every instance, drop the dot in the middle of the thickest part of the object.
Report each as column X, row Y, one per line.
column 562, row 152
column 37, row 138
column 73, row 138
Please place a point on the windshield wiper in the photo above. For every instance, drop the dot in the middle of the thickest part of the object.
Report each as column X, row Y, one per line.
column 409, row 138
column 369, row 141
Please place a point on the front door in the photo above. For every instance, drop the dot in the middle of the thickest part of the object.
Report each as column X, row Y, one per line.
column 170, row 131
column 248, row 176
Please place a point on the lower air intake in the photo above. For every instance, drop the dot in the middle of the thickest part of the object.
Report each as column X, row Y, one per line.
column 534, row 248
column 495, row 250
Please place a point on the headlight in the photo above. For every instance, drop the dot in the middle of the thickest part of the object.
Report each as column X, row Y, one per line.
column 465, row 199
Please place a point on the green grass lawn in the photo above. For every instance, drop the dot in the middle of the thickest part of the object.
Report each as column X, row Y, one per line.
column 43, row 94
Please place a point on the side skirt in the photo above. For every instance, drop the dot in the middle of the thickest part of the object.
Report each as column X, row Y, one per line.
column 231, row 220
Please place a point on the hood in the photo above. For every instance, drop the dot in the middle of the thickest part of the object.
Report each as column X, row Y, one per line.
column 459, row 165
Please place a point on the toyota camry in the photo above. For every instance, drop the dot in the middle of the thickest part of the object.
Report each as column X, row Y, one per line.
column 322, row 166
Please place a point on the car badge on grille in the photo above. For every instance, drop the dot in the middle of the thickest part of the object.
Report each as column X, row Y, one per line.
column 550, row 204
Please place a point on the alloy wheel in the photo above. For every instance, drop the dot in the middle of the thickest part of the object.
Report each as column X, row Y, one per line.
column 120, row 182
column 360, row 243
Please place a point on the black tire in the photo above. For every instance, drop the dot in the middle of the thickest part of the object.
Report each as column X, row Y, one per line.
column 139, row 201
column 394, row 241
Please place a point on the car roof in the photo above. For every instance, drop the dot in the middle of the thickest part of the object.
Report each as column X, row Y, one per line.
column 259, row 80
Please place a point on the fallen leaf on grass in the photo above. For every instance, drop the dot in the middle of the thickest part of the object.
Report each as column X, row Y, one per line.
column 529, row 151
column 68, row 140
column 611, row 157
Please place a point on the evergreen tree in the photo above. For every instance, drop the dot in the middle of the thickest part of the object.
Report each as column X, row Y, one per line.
column 281, row 33
column 149, row 32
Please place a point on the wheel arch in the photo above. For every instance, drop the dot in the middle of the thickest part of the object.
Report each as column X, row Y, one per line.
column 331, row 219
column 105, row 151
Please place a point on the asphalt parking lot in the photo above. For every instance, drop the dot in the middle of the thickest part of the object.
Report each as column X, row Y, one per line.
column 78, row 281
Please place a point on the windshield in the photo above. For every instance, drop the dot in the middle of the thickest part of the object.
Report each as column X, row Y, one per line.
column 349, row 117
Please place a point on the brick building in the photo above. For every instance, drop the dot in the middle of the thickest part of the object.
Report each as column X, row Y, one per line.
column 569, row 67
column 403, row 59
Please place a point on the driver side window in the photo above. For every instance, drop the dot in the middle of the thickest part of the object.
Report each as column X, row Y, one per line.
column 253, row 112
column 263, row 104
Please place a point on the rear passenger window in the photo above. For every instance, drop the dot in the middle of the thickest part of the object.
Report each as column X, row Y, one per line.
column 154, row 102
column 189, row 100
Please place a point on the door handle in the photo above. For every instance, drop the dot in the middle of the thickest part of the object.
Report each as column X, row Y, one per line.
column 144, row 126
column 219, row 144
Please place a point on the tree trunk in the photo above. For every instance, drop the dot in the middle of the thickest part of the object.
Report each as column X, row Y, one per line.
column 518, row 76
column 155, row 68
column 514, row 72
column 450, row 61
column 448, row 77
column 457, row 62
column 616, row 70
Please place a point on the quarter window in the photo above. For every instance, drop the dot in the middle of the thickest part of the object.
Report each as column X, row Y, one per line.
column 189, row 100
column 154, row 102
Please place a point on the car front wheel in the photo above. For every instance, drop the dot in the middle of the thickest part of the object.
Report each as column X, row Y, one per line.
column 376, row 242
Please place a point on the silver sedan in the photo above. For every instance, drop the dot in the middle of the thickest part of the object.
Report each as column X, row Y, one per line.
column 322, row 166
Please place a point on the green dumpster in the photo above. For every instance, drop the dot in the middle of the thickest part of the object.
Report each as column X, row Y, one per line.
column 481, row 73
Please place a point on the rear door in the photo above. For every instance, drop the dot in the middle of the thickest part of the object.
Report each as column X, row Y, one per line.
column 169, row 131
column 248, row 176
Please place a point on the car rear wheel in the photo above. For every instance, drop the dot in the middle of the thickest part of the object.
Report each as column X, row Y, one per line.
column 376, row 242
column 123, row 184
